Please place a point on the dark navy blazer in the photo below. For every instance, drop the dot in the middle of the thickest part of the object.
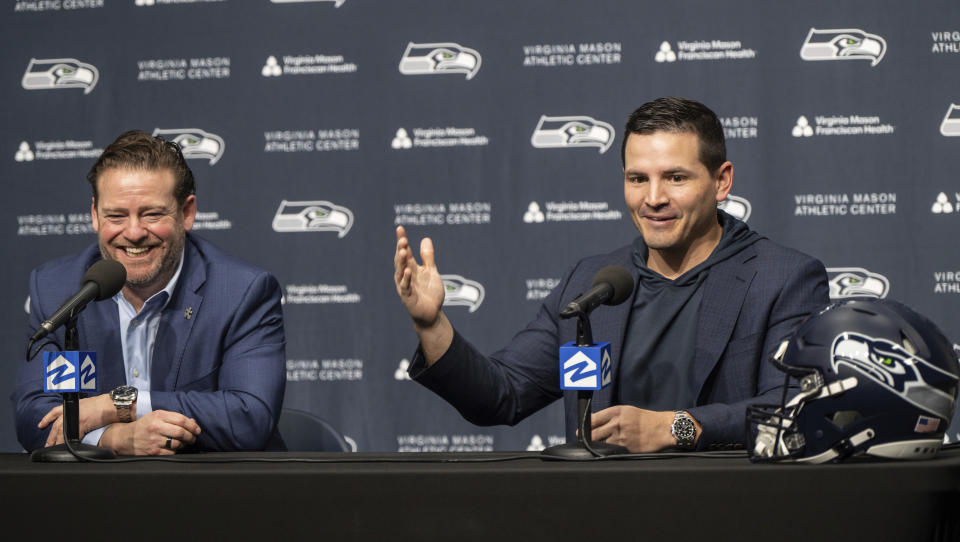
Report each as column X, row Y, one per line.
column 224, row 366
column 751, row 302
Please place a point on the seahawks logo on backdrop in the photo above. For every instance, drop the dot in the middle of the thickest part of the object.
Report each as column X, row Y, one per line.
column 856, row 282
column 462, row 292
column 893, row 367
column 294, row 216
column 577, row 131
column 60, row 73
column 736, row 207
column 195, row 143
column 951, row 121
column 336, row 3
column 428, row 58
column 843, row 44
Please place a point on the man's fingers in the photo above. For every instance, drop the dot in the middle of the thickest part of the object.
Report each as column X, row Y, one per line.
column 397, row 264
column 163, row 426
column 180, row 436
column 163, row 448
column 50, row 437
column 170, row 443
column 604, row 416
column 54, row 413
column 182, row 425
column 400, row 256
column 404, row 263
column 56, row 433
column 404, row 283
column 426, row 253
column 192, row 428
column 603, row 432
column 606, row 424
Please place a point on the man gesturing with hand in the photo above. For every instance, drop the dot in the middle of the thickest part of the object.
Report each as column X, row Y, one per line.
column 713, row 301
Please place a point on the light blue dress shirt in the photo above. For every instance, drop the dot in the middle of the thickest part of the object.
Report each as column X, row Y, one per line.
column 138, row 332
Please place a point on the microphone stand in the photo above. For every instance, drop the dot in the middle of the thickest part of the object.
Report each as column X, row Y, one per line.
column 584, row 447
column 72, row 450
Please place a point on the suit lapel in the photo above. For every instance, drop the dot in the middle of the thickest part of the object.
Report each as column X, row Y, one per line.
column 724, row 292
column 176, row 321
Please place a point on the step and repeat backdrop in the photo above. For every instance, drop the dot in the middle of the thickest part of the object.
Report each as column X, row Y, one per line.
column 315, row 127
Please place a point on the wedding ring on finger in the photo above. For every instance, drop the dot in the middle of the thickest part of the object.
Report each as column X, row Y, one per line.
column 167, row 443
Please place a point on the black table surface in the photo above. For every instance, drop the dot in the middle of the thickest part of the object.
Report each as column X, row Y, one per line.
column 392, row 496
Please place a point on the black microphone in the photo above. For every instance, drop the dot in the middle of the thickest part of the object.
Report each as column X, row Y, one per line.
column 612, row 285
column 102, row 281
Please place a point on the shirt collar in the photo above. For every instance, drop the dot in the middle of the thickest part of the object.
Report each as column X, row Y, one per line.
column 163, row 296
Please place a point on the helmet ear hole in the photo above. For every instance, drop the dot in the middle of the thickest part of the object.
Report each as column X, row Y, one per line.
column 843, row 418
column 907, row 345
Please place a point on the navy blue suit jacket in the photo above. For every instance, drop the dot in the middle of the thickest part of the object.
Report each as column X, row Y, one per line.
column 751, row 302
column 224, row 366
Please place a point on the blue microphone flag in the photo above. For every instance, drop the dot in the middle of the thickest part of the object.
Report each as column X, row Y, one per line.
column 585, row 367
column 70, row 371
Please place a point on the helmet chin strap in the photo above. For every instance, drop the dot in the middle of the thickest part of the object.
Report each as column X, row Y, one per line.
column 844, row 448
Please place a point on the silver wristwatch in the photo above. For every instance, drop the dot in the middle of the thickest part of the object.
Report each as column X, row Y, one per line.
column 684, row 430
column 124, row 397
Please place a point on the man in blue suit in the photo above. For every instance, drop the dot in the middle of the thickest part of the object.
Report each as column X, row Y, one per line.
column 713, row 302
column 192, row 347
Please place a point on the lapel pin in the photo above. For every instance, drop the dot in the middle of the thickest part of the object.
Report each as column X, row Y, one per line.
column 188, row 313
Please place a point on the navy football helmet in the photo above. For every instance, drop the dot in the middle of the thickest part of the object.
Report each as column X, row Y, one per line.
column 875, row 379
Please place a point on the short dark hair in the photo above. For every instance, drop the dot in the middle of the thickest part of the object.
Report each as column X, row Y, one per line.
column 673, row 114
column 137, row 149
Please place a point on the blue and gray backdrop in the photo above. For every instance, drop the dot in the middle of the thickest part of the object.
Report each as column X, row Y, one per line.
column 314, row 127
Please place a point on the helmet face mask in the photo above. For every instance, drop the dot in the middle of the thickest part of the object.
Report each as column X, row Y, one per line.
column 874, row 379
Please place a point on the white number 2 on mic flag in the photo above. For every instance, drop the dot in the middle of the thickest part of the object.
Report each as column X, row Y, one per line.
column 70, row 371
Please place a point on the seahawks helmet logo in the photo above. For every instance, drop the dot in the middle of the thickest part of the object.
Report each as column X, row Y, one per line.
column 60, row 73
column 951, row 121
column 736, row 207
column 896, row 369
column 579, row 131
column 195, row 143
column 462, row 292
column 843, row 44
column 428, row 58
column 856, row 282
column 294, row 216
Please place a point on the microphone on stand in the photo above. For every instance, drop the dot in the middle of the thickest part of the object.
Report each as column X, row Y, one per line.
column 612, row 285
column 70, row 371
column 102, row 281
column 585, row 366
